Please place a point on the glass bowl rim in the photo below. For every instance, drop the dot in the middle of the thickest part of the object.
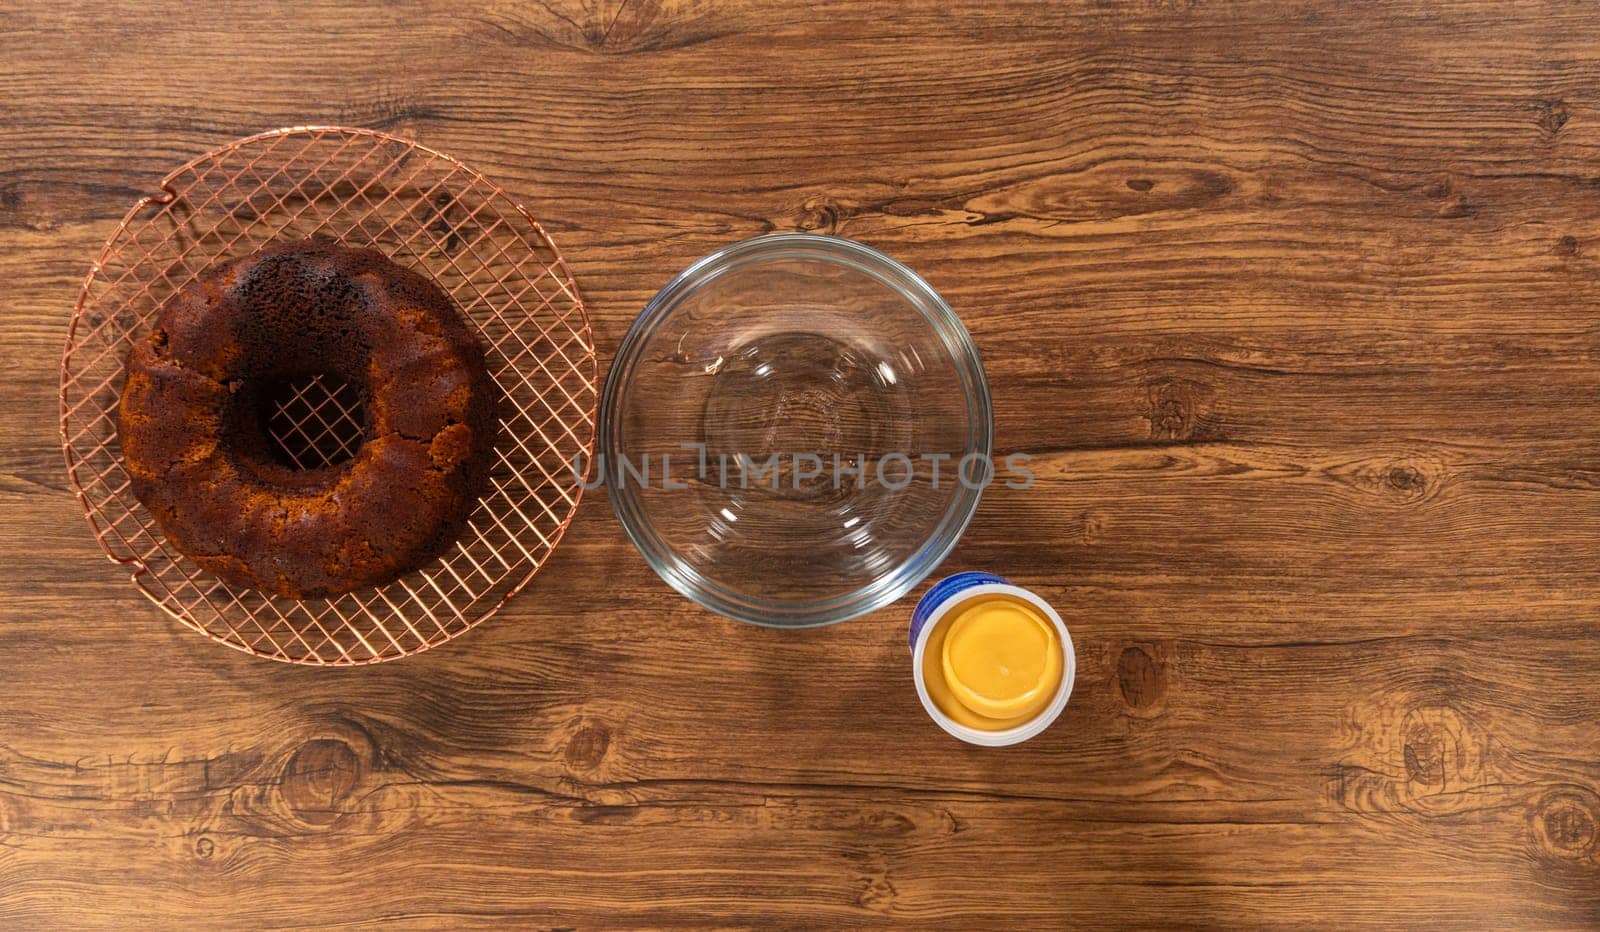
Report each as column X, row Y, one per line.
column 887, row 586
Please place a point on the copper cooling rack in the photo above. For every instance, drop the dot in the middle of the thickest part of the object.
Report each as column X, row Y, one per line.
column 425, row 210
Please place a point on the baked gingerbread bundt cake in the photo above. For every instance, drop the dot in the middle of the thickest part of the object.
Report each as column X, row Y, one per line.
column 200, row 386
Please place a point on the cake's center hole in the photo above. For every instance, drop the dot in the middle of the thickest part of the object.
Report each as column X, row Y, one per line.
column 315, row 421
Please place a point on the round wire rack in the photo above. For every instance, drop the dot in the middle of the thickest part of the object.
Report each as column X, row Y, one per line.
column 425, row 210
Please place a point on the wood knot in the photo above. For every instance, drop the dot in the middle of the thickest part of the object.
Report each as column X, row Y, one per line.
column 1142, row 678
column 1411, row 481
column 1177, row 409
column 1551, row 115
column 821, row 214
column 626, row 30
column 1142, row 185
column 1095, row 525
column 1438, row 188
column 204, row 848
column 1407, row 479
column 450, row 222
column 588, row 747
column 1429, row 760
column 1425, row 754
column 1567, row 246
column 1440, row 749
column 1567, row 824
column 877, row 894
column 319, row 779
column 1403, row 480
column 1458, row 208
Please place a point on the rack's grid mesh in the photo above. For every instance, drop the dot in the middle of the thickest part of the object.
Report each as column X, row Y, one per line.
column 422, row 209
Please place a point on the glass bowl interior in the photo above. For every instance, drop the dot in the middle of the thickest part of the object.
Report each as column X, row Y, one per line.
column 796, row 430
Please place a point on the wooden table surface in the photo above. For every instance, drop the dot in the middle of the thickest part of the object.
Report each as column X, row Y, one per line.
column 1297, row 309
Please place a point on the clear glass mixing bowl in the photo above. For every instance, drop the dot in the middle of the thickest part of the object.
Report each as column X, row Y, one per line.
column 796, row 430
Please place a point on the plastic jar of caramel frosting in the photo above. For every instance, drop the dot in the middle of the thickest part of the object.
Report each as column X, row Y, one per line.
column 993, row 662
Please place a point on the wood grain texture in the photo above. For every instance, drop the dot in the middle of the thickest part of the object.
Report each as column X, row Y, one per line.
column 1293, row 305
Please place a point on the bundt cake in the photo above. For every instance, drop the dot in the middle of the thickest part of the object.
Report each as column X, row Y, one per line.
column 200, row 388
